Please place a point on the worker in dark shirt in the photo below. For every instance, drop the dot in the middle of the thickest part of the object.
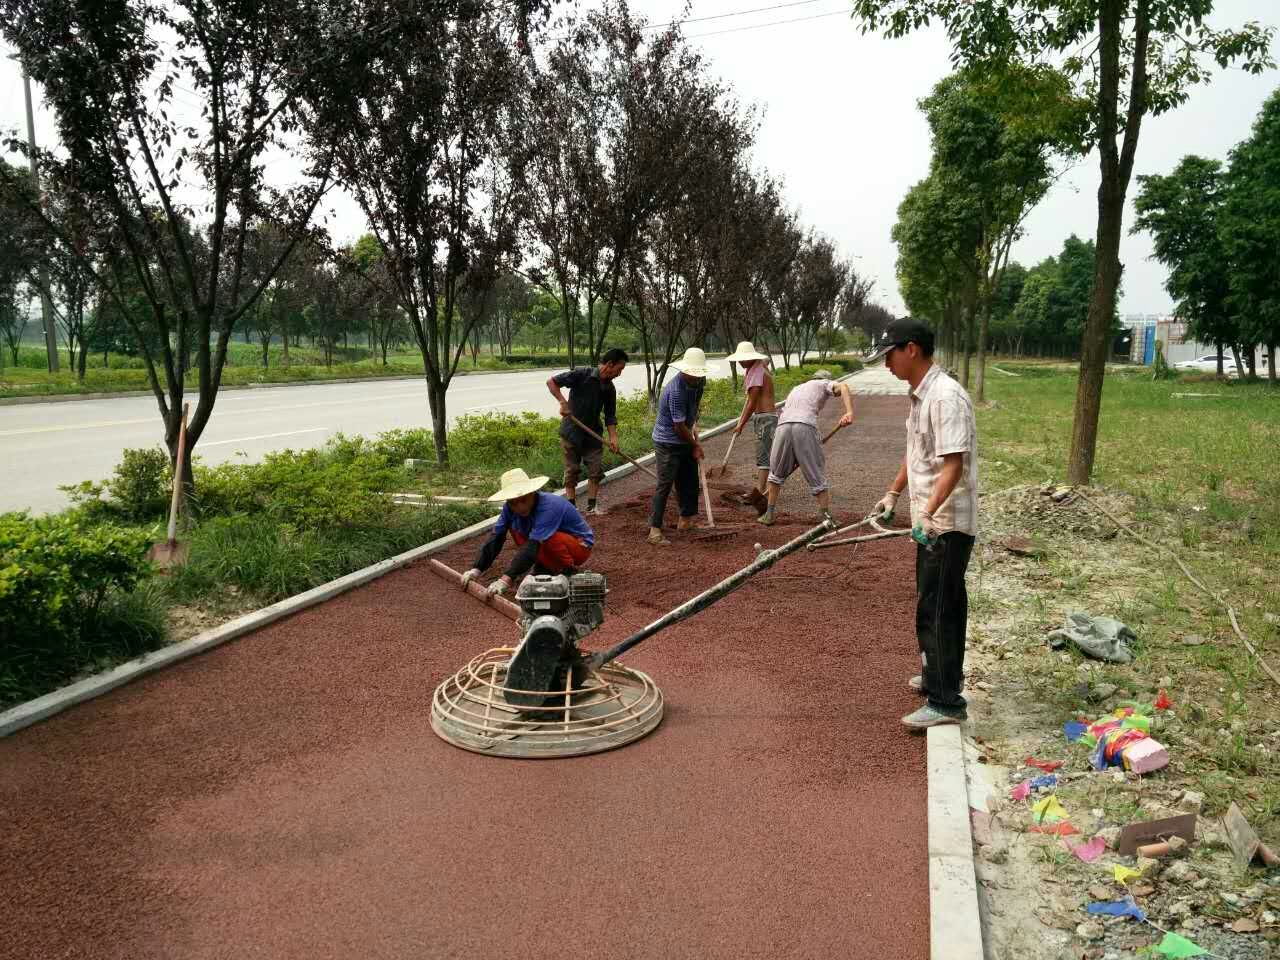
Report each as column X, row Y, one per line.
column 549, row 530
column 591, row 393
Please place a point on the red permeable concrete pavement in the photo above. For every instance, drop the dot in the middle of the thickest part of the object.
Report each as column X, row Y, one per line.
column 284, row 796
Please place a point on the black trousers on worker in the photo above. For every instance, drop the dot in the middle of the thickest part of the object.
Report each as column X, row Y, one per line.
column 676, row 467
column 942, row 615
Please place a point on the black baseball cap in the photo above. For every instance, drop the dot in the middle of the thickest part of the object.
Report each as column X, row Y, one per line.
column 899, row 333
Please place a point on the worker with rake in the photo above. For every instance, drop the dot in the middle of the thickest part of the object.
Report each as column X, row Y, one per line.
column 591, row 393
column 797, row 443
column 940, row 473
column 549, row 530
column 675, row 443
column 759, row 409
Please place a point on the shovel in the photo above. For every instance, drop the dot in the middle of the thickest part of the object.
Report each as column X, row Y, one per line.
column 638, row 466
column 724, row 464
column 171, row 553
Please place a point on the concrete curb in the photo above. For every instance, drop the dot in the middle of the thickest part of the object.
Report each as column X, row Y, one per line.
column 955, row 927
column 33, row 711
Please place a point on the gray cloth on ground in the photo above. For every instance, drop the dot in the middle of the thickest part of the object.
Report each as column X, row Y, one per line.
column 1102, row 638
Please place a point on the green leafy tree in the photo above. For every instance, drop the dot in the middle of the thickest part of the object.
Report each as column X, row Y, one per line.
column 1182, row 212
column 1250, row 227
column 1131, row 58
column 421, row 135
column 993, row 150
column 110, row 72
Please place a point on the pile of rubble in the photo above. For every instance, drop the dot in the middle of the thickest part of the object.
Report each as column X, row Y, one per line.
column 1050, row 509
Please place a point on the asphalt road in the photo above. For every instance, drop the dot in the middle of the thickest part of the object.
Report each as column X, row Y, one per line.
column 46, row 445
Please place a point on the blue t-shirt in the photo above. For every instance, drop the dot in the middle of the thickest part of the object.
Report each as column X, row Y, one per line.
column 550, row 513
column 679, row 403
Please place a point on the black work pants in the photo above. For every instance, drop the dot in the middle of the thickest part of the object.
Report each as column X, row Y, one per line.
column 942, row 614
column 676, row 467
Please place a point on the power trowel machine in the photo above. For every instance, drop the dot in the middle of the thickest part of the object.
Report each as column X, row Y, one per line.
column 556, row 612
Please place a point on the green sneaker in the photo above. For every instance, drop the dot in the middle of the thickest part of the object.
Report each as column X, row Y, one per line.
column 766, row 518
column 927, row 717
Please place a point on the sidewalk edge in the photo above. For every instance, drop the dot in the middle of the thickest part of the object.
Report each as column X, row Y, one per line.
column 955, row 927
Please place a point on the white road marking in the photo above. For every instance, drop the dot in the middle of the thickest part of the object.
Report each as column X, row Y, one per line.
column 263, row 436
column 490, row 406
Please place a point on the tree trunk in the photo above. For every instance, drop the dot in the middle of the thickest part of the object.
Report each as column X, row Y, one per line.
column 1271, row 362
column 439, row 418
column 1115, row 168
column 1093, row 348
column 1220, row 359
column 1235, row 358
column 84, row 356
column 1252, row 356
column 984, row 331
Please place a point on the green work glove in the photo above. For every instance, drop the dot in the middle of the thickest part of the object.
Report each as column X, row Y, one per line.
column 920, row 537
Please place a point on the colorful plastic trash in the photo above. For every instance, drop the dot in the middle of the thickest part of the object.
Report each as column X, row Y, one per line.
column 1163, row 702
column 1049, row 810
column 1045, row 782
column 1060, row 829
column 1021, row 791
column 1125, row 874
column 1048, row 766
column 1118, row 908
column 1090, row 850
column 1073, row 730
column 1175, row 946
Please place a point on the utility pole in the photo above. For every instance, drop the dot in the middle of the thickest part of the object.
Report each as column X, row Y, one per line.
column 46, row 307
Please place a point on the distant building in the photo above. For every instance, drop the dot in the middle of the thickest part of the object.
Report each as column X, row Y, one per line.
column 1144, row 330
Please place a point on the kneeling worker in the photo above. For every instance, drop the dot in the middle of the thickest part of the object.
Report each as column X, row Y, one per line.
column 591, row 393
column 797, row 442
column 549, row 530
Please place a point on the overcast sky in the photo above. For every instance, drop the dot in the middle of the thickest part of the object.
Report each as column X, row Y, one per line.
column 841, row 128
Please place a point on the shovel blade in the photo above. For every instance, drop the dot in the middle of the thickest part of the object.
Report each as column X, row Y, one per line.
column 168, row 554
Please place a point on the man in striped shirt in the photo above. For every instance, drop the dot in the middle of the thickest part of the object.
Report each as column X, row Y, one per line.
column 940, row 472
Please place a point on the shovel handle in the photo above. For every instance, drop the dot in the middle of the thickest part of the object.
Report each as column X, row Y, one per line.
column 834, row 430
column 724, row 464
column 592, row 433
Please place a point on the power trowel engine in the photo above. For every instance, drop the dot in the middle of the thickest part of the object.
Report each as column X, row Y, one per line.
column 558, row 611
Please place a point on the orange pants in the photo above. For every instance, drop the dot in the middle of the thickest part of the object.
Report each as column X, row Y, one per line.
column 561, row 551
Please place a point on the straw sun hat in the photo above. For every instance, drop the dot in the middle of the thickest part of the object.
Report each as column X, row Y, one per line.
column 694, row 363
column 516, row 483
column 746, row 351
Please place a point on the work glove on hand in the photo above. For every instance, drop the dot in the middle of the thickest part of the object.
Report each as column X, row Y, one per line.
column 498, row 587
column 926, row 531
column 469, row 576
column 884, row 509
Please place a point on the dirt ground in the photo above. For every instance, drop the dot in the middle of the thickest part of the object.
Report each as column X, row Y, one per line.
column 284, row 796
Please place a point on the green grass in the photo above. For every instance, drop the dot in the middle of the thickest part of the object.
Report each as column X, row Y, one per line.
column 1203, row 477
column 244, row 368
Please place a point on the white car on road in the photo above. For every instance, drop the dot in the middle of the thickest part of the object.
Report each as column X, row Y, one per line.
column 1209, row 364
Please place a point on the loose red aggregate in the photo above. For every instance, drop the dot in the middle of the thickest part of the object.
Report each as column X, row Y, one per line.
column 284, row 796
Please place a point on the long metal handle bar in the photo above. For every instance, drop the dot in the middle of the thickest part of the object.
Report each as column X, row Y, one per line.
column 885, row 535
column 871, row 520
column 763, row 561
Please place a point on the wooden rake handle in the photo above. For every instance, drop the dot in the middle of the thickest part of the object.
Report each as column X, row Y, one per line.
column 638, row 466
